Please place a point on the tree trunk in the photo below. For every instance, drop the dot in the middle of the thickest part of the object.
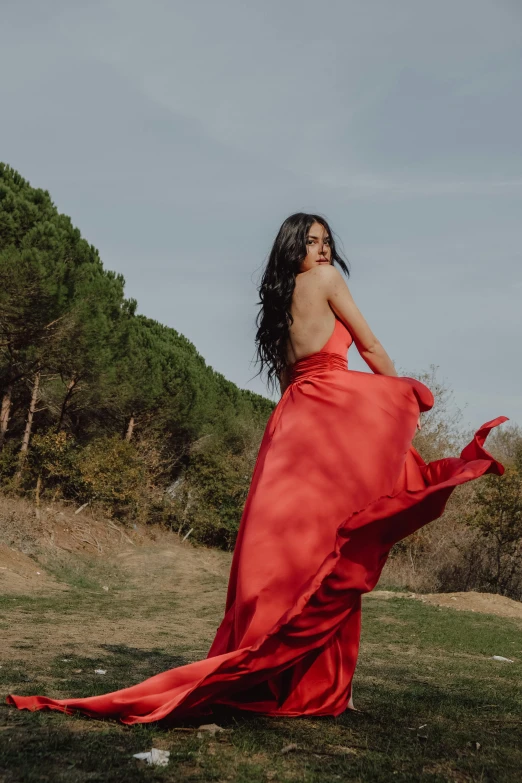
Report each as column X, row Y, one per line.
column 38, row 489
column 130, row 428
column 30, row 416
column 4, row 413
column 68, row 395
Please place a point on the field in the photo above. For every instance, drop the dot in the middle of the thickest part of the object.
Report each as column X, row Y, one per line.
column 433, row 705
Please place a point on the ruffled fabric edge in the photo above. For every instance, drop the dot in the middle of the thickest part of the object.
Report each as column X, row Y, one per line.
column 363, row 542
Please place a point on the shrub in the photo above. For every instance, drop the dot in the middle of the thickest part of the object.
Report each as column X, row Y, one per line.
column 497, row 517
column 51, row 461
column 112, row 473
column 8, row 461
column 477, row 543
column 209, row 496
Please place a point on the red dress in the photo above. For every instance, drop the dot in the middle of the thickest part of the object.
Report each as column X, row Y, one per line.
column 336, row 484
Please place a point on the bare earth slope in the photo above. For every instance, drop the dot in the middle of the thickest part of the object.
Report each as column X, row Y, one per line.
column 486, row 603
column 150, row 587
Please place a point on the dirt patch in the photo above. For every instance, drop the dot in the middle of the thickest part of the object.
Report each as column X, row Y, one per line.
column 485, row 603
column 134, row 586
column 22, row 575
column 156, row 596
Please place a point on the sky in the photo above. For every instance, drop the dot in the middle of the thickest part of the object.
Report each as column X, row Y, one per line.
column 179, row 135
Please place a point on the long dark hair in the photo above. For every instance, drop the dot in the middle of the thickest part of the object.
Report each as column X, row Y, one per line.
column 277, row 287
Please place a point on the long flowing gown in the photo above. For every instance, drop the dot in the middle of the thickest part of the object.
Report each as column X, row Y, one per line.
column 336, row 484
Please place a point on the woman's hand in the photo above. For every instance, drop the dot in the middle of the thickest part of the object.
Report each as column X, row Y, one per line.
column 419, row 425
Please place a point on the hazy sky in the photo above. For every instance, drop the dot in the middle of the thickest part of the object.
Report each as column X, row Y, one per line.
column 179, row 135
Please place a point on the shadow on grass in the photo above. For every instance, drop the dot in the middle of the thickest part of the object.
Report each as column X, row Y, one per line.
column 135, row 656
column 71, row 675
column 433, row 706
column 412, row 730
column 53, row 747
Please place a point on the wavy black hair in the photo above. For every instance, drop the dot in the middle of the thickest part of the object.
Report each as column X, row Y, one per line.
column 276, row 290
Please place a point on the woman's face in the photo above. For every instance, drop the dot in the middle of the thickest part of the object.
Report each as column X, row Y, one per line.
column 318, row 250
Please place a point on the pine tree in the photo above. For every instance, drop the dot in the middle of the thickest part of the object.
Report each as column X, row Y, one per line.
column 81, row 374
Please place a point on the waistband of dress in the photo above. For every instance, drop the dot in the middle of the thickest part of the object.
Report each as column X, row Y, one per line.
column 317, row 363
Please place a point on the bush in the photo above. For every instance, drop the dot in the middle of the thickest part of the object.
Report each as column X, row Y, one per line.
column 51, row 461
column 107, row 470
column 8, row 461
column 497, row 517
column 209, row 496
column 112, row 473
column 477, row 543
column 475, row 567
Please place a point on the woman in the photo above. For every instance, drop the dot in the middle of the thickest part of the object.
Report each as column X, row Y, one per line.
column 336, row 484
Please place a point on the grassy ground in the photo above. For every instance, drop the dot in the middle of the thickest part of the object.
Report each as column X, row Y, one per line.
column 433, row 704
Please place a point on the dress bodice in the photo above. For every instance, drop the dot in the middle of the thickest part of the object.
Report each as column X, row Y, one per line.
column 332, row 356
column 339, row 341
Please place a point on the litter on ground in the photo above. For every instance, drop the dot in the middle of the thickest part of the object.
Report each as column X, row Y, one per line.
column 159, row 758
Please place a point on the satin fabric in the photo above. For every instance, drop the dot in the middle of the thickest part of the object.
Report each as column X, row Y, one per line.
column 336, row 484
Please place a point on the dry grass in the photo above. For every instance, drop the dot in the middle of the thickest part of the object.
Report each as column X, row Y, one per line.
column 441, row 556
column 57, row 551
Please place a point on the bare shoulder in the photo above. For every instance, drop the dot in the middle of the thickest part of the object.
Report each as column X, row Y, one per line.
column 324, row 276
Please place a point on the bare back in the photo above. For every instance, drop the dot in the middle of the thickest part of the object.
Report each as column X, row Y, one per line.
column 321, row 295
column 314, row 319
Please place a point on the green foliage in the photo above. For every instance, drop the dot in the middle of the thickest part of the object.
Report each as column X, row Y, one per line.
column 8, row 462
column 112, row 474
column 220, row 483
column 109, row 377
column 208, row 498
column 53, row 457
column 108, row 470
column 497, row 515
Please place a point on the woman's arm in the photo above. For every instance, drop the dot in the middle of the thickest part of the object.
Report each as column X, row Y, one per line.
column 343, row 305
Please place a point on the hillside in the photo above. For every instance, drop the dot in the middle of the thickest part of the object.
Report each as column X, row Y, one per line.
column 100, row 403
